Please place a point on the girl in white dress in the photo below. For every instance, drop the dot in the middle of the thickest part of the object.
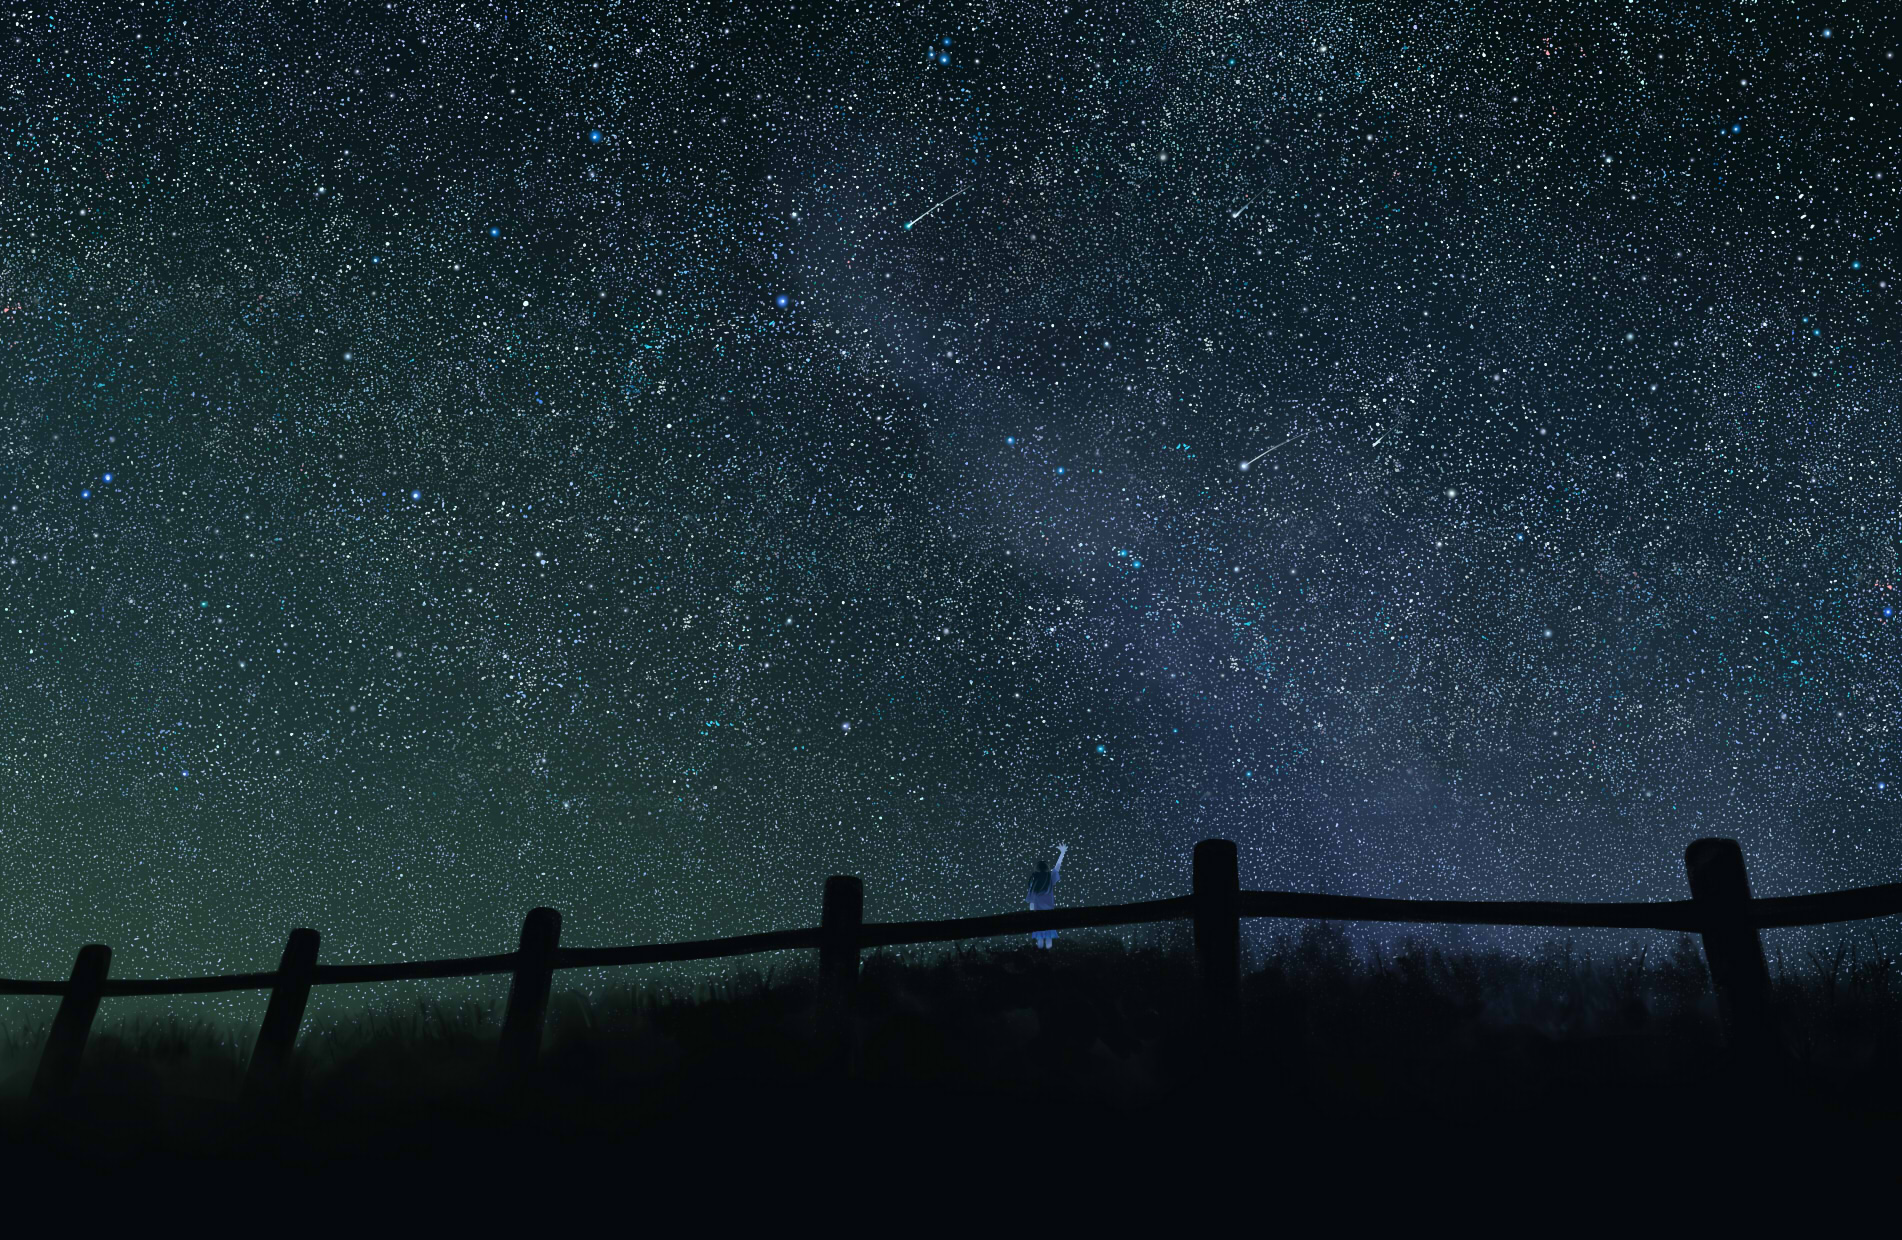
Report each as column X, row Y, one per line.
column 1043, row 892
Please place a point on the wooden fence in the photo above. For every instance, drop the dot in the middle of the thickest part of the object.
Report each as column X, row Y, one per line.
column 1721, row 909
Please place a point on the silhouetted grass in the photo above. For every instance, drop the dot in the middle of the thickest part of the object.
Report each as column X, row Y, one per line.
column 1094, row 1038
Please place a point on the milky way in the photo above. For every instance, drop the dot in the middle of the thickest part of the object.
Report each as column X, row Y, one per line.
column 460, row 458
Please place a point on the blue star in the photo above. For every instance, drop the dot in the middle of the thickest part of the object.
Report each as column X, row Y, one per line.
column 415, row 494
column 495, row 232
column 780, row 301
column 595, row 135
column 1010, row 441
column 85, row 494
column 107, row 478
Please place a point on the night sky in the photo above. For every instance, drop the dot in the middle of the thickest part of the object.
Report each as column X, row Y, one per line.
column 644, row 458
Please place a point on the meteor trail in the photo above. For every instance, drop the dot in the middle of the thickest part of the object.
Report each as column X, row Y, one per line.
column 1236, row 214
column 934, row 206
column 1284, row 443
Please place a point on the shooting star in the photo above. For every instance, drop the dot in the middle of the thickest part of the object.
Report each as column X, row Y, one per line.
column 1236, row 214
column 934, row 206
column 1284, row 443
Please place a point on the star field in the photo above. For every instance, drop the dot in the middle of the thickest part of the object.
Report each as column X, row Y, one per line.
column 645, row 459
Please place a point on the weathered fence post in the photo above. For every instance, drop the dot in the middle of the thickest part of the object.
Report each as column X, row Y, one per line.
column 840, row 918
column 528, row 994
column 1218, row 930
column 269, row 1074
column 66, row 1040
column 1732, row 947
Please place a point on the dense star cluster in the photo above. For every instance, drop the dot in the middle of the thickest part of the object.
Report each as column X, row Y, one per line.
column 644, row 458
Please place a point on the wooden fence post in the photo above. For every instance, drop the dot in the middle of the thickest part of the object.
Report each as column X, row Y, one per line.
column 1218, row 929
column 528, row 994
column 66, row 1040
column 1720, row 887
column 842, row 913
column 269, row 1074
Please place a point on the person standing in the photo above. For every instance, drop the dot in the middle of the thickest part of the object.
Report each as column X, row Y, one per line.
column 1043, row 892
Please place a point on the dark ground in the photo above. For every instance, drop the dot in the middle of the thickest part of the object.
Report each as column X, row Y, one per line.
column 1089, row 1057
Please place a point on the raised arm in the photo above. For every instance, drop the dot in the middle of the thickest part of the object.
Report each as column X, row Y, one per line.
column 1057, row 868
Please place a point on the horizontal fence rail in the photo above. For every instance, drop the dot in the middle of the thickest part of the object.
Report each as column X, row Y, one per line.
column 1827, row 908
column 703, row 949
column 122, row 987
column 412, row 971
column 895, row 933
column 871, row 934
column 1721, row 910
column 1658, row 915
column 1768, row 913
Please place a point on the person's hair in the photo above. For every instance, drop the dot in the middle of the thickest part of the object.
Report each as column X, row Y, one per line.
column 1040, row 877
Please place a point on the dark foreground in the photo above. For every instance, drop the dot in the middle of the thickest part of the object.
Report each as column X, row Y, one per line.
column 1024, row 1062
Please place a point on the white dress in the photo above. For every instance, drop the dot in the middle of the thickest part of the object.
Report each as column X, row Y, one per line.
column 1046, row 899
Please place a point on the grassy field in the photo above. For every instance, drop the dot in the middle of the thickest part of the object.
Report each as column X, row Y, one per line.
column 1090, row 1042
